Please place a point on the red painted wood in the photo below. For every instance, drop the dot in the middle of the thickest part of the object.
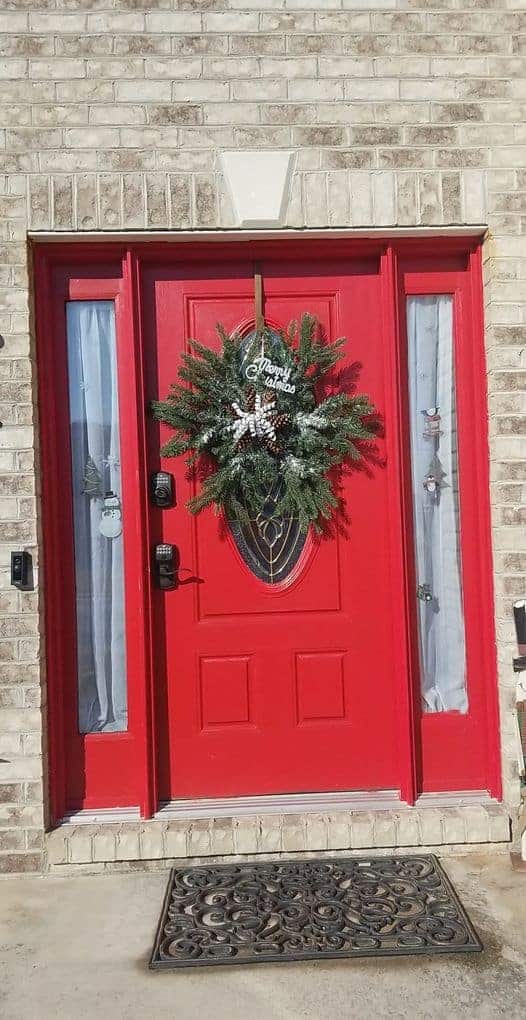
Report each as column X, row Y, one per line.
column 258, row 721
column 99, row 769
column 401, row 562
column 262, row 690
column 461, row 751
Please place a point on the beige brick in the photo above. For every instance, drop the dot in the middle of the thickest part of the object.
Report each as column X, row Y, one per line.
column 90, row 138
column 180, row 211
column 315, row 199
column 80, row 844
column 361, row 198
column 57, row 23
column 269, row 837
column 127, row 843
column 143, row 91
column 156, row 208
column 384, row 198
column 246, row 830
column 118, row 115
column 205, row 200
column 182, row 67
column 316, row 832
column 56, row 847
column 222, row 836
column 81, row 91
column 215, row 91
column 199, row 841
column 117, row 21
column 499, row 825
column 151, row 842
column 362, row 829
column 173, row 21
column 109, row 200
column 454, row 825
column 62, row 198
column 477, row 824
column 104, row 843
column 338, row 199
column 408, row 828
column 86, row 201
column 240, row 113
column 474, row 196
column 39, row 202
column 233, row 21
column 10, row 21
column 338, row 831
column 84, row 45
column 293, row 833
column 175, row 839
column 385, row 829
column 307, row 89
column 431, row 826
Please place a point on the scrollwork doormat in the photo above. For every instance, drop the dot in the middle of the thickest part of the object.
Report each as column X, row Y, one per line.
column 310, row 910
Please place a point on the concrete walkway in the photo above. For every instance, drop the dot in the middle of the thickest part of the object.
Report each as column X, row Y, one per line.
column 78, row 947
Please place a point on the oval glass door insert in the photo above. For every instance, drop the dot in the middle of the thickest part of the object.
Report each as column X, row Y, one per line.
column 269, row 543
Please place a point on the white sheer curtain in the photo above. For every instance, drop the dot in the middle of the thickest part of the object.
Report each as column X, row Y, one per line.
column 435, row 495
column 94, row 417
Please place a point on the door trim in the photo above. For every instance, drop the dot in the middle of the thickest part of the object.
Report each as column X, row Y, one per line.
column 74, row 256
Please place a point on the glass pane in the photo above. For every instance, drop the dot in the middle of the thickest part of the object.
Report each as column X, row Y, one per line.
column 435, row 503
column 269, row 543
column 95, row 454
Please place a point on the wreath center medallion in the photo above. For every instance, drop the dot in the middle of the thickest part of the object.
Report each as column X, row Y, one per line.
column 249, row 417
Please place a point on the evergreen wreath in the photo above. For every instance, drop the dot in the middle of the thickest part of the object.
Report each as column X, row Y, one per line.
column 250, row 418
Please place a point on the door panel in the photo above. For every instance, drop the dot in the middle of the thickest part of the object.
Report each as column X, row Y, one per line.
column 287, row 688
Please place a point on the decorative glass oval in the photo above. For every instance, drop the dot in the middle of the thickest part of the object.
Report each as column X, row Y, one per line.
column 269, row 543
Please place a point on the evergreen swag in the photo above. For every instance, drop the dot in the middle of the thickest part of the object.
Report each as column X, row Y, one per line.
column 251, row 438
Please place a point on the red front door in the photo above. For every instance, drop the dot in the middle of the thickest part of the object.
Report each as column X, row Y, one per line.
column 268, row 688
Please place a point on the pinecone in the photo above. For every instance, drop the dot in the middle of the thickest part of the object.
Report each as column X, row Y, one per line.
column 280, row 420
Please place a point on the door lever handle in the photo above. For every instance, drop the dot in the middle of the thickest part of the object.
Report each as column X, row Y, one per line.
column 166, row 563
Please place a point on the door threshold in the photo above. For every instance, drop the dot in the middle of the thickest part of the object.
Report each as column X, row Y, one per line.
column 281, row 803
column 99, row 815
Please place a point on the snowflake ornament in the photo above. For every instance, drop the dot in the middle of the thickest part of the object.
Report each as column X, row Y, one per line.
column 258, row 421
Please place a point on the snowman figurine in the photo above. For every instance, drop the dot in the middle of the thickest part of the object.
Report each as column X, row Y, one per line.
column 111, row 516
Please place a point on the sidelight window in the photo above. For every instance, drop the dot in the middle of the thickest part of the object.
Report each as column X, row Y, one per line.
column 436, row 503
column 97, row 515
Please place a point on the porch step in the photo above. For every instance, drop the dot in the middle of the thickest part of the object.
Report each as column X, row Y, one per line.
column 105, row 842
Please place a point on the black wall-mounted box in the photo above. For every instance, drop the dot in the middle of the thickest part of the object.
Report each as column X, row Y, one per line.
column 21, row 570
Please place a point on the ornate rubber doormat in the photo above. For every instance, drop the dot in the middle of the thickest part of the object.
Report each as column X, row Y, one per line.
column 310, row 910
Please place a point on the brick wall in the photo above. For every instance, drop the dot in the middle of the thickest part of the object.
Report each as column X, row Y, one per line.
column 113, row 112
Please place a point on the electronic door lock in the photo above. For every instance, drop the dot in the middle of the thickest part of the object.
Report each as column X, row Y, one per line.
column 166, row 561
column 162, row 489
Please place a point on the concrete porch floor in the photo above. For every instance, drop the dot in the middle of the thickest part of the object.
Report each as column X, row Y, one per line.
column 77, row 947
